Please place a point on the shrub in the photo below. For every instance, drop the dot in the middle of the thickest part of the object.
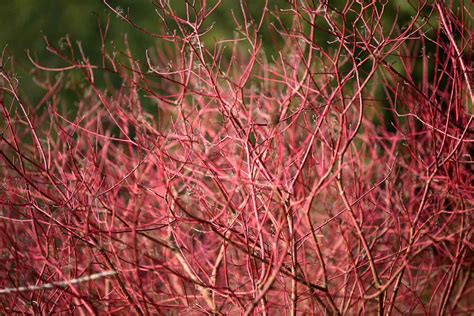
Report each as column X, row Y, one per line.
column 330, row 173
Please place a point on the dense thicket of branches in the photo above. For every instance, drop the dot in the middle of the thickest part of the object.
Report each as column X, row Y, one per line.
column 333, row 175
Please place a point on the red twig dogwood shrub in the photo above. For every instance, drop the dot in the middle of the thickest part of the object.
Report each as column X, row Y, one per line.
column 332, row 175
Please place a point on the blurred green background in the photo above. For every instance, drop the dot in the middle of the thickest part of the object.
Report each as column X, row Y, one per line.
column 24, row 23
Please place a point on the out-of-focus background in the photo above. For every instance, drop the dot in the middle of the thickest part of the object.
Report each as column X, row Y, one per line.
column 25, row 23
